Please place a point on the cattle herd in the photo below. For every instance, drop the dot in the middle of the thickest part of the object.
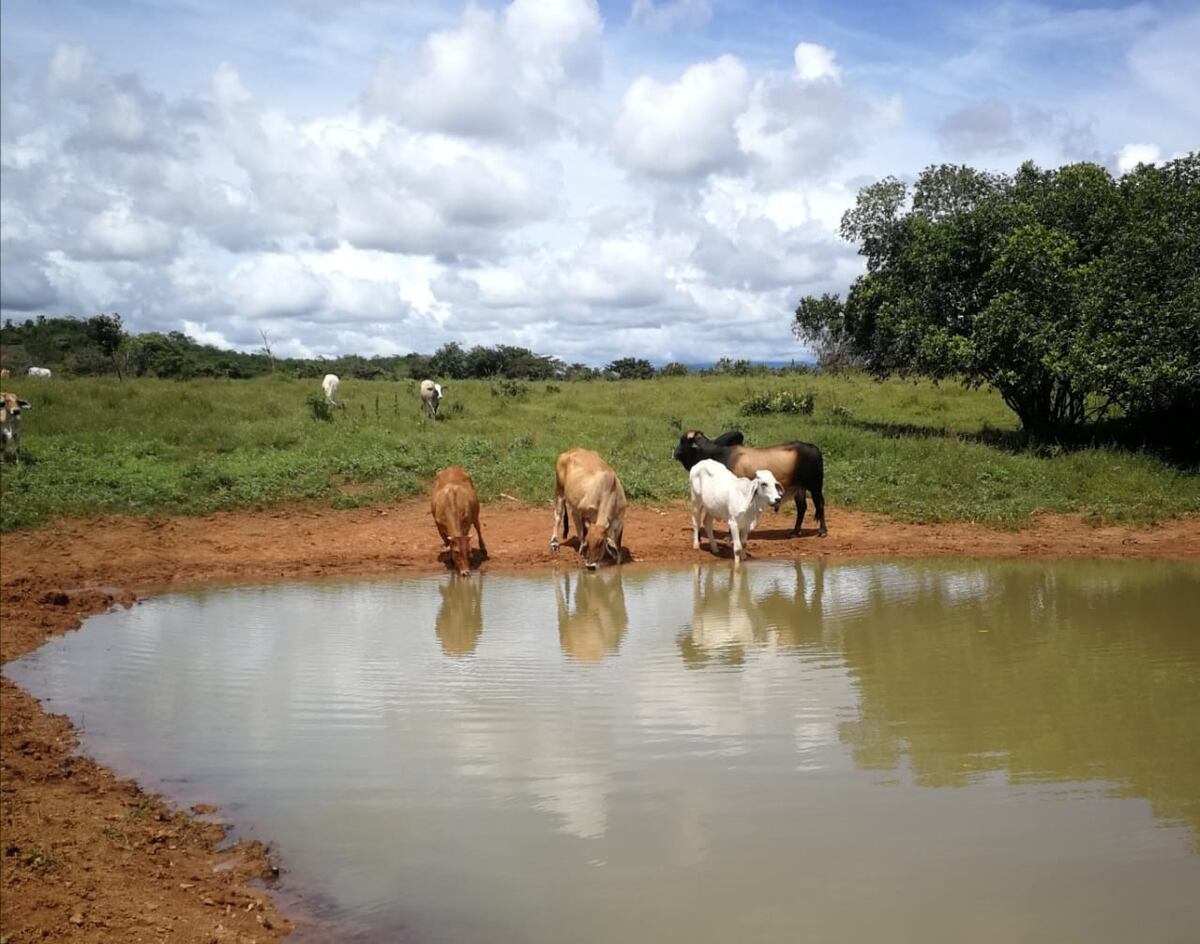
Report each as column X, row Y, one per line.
column 728, row 480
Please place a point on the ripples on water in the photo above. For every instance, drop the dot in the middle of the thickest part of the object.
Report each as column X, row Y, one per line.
column 686, row 755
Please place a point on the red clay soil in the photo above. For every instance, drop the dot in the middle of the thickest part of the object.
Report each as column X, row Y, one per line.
column 85, row 856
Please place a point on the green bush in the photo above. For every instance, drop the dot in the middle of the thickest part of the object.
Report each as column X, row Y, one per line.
column 785, row 401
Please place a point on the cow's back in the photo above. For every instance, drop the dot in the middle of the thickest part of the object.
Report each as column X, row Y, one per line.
column 453, row 499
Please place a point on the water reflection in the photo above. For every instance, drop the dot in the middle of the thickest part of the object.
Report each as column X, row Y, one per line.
column 736, row 609
column 592, row 627
column 460, row 617
column 1067, row 673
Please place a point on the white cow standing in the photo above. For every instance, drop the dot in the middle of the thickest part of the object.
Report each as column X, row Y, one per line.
column 10, row 422
column 330, row 386
column 717, row 492
column 431, row 396
column 39, row 372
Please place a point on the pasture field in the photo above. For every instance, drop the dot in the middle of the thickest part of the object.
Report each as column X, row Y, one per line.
column 914, row 451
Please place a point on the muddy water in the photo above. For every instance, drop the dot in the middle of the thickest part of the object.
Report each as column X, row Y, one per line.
column 990, row 752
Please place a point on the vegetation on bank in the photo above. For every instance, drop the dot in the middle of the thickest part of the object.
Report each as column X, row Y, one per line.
column 907, row 449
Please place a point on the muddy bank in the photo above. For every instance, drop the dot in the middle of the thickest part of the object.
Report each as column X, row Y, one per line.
column 88, row 857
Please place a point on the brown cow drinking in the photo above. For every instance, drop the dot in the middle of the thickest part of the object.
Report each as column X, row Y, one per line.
column 587, row 489
column 455, row 507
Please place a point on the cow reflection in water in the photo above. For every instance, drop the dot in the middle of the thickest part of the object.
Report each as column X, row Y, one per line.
column 460, row 617
column 594, row 628
column 728, row 618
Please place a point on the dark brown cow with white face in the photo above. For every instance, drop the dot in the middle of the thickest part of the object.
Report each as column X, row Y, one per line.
column 455, row 507
column 587, row 489
column 798, row 466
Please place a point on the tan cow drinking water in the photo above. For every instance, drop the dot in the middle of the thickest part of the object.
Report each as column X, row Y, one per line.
column 587, row 489
column 455, row 507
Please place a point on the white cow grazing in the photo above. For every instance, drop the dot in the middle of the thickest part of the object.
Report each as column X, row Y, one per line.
column 39, row 371
column 431, row 396
column 717, row 492
column 10, row 422
column 330, row 386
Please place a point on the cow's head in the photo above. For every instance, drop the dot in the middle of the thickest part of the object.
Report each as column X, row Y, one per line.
column 688, row 452
column 694, row 446
column 601, row 541
column 767, row 489
column 10, row 412
column 460, row 553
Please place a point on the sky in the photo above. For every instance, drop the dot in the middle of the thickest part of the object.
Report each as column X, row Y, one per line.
column 656, row 178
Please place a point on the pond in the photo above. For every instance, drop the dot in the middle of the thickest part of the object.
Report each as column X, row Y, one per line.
column 983, row 751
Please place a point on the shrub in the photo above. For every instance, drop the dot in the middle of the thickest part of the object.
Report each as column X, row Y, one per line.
column 321, row 408
column 510, row 389
column 784, row 402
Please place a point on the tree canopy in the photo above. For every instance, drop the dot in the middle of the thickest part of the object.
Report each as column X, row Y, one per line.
column 1074, row 294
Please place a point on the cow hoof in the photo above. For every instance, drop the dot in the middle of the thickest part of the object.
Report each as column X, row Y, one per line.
column 553, row 546
column 591, row 566
column 822, row 534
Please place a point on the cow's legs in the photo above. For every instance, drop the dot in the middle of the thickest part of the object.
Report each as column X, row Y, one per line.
column 560, row 511
column 800, row 509
column 479, row 534
column 712, row 541
column 697, row 516
column 735, row 539
column 580, row 529
column 819, row 506
column 445, row 536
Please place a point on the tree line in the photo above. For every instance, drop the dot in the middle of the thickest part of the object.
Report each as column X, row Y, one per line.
column 100, row 345
column 1075, row 295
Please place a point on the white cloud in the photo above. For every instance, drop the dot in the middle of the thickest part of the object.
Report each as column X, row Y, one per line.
column 199, row 331
column 683, row 128
column 1133, row 154
column 275, row 286
column 496, row 75
column 816, row 63
column 121, row 233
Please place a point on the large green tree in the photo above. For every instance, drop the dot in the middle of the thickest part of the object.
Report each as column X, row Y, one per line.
column 1073, row 294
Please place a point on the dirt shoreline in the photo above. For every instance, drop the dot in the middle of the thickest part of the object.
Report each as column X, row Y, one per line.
column 86, row 856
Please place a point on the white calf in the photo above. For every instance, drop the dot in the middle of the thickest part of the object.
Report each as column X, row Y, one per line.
column 39, row 371
column 717, row 492
column 431, row 396
column 330, row 386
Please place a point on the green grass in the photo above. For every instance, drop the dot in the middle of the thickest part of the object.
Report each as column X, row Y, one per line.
column 913, row 451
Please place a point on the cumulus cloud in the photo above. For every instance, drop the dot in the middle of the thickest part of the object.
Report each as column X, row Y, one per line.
column 686, row 127
column 496, row 75
column 816, row 63
column 1131, row 155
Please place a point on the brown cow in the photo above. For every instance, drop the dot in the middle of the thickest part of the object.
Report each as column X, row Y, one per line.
column 587, row 488
column 455, row 507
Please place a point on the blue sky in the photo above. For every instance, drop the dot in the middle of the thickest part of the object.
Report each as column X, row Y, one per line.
column 655, row 178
